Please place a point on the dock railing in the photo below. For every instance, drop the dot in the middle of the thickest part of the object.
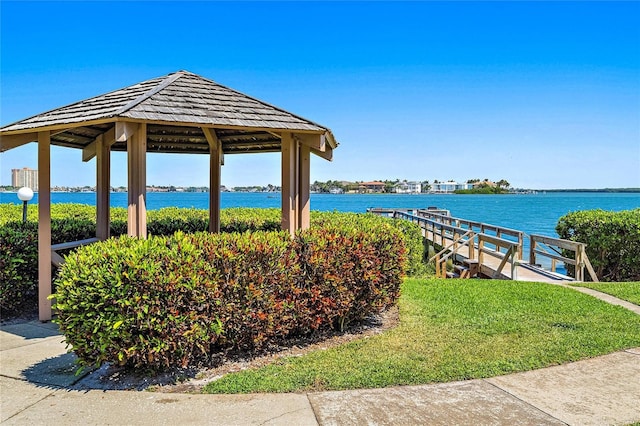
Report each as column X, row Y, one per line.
column 510, row 255
column 555, row 249
column 463, row 239
column 479, row 228
column 453, row 234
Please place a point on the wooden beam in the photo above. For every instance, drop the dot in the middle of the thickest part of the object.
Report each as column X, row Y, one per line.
column 62, row 127
column 215, row 161
column 89, row 151
column 317, row 142
column 257, row 135
column 137, row 185
column 108, row 139
column 327, row 154
column 217, row 126
column 289, row 183
column 125, row 130
column 8, row 142
column 103, row 188
column 304, row 199
column 44, row 226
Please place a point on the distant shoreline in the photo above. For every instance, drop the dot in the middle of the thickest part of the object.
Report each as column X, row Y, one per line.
column 626, row 190
column 518, row 191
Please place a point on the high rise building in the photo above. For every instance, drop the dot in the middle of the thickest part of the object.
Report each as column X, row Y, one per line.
column 24, row 177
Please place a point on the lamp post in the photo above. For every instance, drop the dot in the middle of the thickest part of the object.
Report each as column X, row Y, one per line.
column 25, row 195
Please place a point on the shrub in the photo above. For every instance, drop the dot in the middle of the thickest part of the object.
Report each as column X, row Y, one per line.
column 168, row 220
column 18, row 267
column 411, row 232
column 73, row 222
column 612, row 238
column 170, row 301
column 19, row 259
column 240, row 219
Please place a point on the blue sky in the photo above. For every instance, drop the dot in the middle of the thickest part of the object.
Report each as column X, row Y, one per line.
column 543, row 94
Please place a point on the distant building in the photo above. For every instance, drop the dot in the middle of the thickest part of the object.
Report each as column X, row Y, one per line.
column 371, row 187
column 450, row 186
column 408, row 188
column 24, row 177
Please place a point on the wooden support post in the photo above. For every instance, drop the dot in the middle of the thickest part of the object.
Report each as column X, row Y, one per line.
column 137, row 159
column 532, row 251
column 44, row 226
column 579, row 263
column 289, row 183
column 103, row 187
column 304, row 200
column 215, row 165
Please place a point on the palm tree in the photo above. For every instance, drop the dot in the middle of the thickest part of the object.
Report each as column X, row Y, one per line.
column 503, row 184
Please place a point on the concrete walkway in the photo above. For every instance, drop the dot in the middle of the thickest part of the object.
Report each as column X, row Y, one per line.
column 37, row 375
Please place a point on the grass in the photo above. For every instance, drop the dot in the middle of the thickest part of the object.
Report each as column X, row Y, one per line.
column 629, row 291
column 454, row 330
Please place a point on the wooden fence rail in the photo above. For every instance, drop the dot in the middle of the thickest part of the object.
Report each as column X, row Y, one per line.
column 548, row 247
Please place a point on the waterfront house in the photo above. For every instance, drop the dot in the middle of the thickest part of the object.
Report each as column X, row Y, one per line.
column 371, row 187
column 449, row 186
column 407, row 188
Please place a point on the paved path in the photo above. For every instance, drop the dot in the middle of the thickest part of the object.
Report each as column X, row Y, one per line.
column 37, row 376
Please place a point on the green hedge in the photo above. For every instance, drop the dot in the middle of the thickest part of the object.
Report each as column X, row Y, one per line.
column 18, row 268
column 169, row 301
column 73, row 222
column 612, row 238
column 19, row 259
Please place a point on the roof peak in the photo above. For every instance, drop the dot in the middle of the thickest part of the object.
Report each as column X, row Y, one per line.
column 137, row 101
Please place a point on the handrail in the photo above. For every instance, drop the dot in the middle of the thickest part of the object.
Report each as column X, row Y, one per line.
column 458, row 241
column 510, row 256
column 479, row 226
column 430, row 221
column 452, row 233
column 581, row 260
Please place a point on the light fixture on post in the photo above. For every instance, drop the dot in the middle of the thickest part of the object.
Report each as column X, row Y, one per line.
column 25, row 194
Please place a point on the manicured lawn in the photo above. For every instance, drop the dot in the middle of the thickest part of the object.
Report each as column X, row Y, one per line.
column 627, row 291
column 454, row 330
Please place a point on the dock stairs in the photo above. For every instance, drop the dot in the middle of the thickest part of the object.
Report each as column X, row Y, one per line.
column 467, row 269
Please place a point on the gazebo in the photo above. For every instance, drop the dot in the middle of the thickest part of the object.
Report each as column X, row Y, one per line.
column 178, row 113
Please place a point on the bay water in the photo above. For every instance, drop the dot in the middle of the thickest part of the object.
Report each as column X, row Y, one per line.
column 531, row 213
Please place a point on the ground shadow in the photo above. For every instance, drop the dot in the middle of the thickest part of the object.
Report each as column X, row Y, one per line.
column 31, row 329
column 57, row 372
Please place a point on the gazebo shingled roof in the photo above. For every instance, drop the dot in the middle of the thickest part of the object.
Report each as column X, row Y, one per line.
column 180, row 113
column 173, row 106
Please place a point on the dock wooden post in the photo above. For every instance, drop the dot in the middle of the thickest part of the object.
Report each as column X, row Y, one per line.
column 520, row 245
column 580, row 262
column 532, row 251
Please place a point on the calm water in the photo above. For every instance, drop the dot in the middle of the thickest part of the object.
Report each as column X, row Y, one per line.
column 531, row 213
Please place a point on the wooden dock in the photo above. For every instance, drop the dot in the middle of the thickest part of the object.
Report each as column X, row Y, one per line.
column 469, row 249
